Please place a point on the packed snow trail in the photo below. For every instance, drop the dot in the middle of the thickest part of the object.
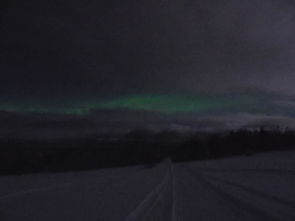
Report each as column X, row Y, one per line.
column 255, row 188
column 157, row 205
column 102, row 195
column 249, row 208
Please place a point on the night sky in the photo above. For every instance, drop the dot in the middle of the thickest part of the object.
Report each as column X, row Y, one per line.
column 172, row 57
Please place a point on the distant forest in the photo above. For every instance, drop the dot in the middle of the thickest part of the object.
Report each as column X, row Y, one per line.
column 138, row 147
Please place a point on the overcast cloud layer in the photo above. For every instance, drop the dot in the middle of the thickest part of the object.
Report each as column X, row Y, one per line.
column 109, row 47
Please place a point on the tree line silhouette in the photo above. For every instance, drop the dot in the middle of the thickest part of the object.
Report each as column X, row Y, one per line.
column 138, row 147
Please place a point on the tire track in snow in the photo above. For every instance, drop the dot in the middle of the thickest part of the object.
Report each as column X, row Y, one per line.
column 255, row 192
column 228, row 209
column 48, row 188
column 35, row 190
column 289, row 172
column 146, row 206
column 173, row 192
column 238, row 203
column 148, row 214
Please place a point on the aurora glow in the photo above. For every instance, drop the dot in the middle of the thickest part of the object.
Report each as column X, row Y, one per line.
column 168, row 104
column 163, row 57
column 178, row 103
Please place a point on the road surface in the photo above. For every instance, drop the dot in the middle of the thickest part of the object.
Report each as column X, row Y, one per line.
column 260, row 187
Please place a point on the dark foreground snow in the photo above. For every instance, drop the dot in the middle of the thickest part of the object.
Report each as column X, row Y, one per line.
column 260, row 187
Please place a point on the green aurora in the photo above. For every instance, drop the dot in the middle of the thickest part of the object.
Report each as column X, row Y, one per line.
column 163, row 103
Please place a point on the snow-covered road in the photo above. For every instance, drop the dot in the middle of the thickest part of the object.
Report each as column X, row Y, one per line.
column 260, row 187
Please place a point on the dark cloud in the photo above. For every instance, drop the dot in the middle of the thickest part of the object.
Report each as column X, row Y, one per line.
column 107, row 47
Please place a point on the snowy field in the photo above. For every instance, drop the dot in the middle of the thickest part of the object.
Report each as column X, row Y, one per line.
column 260, row 187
